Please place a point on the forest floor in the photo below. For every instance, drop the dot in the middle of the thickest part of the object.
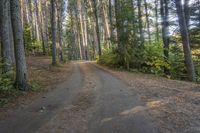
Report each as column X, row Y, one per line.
column 174, row 104
column 42, row 76
column 96, row 99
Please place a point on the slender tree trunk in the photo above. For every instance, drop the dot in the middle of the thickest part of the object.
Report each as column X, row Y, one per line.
column 165, row 29
column 79, row 34
column 21, row 69
column 186, row 43
column 97, row 27
column 106, row 24
column 187, row 12
column 53, row 32
column 60, row 38
column 140, row 22
column 147, row 21
column 33, row 36
column 117, row 16
column 110, row 19
column 156, row 15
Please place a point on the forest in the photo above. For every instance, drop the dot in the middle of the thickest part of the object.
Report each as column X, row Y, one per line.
column 151, row 36
column 52, row 40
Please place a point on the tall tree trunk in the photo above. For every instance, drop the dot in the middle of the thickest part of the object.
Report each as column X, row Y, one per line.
column 147, row 20
column 186, row 43
column 187, row 12
column 33, row 34
column 21, row 69
column 53, row 32
column 11, row 38
column 110, row 19
column 156, row 15
column 5, row 35
column 97, row 26
column 140, row 22
column 117, row 16
column 165, row 29
column 60, row 37
column 40, row 27
column 106, row 24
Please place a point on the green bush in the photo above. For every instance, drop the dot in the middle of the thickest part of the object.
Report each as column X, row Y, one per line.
column 110, row 58
column 6, row 81
column 176, row 61
column 6, row 85
column 154, row 61
column 150, row 59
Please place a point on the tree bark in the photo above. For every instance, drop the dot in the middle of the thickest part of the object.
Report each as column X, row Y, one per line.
column 185, row 39
column 140, row 22
column 53, row 32
column 156, row 14
column 21, row 68
column 5, row 35
column 147, row 21
column 165, row 30
column 97, row 27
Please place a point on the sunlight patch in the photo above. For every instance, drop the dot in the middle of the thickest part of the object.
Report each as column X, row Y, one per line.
column 134, row 110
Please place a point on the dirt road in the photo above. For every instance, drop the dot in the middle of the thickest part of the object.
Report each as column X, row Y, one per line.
column 90, row 101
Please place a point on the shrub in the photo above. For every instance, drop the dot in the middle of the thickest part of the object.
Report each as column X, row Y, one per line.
column 110, row 58
column 154, row 61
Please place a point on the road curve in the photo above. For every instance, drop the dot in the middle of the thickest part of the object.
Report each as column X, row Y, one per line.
column 90, row 101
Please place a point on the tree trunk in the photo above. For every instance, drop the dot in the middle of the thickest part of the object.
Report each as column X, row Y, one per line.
column 53, row 32
column 110, row 19
column 186, row 43
column 60, row 38
column 140, row 22
column 5, row 35
column 187, row 12
column 147, row 21
column 165, row 30
column 21, row 69
column 156, row 14
column 97, row 27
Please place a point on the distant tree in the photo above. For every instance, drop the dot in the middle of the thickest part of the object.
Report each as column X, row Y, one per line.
column 53, row 32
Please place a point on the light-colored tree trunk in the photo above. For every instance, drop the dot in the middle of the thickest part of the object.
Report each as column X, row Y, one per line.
column 97, row 27
column 53, row 32
column 140, row 22
column 156, row 15
column 147, row 20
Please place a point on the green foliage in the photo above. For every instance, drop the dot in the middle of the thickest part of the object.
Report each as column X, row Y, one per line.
column 31, row 45
column 6, row 85
column 6, row 81
column 195, row 37
column 176, row 61
column 196, row 59
column 154, row 61
column 150, row 59
column 110, row 58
